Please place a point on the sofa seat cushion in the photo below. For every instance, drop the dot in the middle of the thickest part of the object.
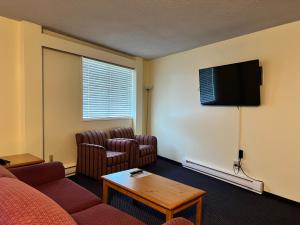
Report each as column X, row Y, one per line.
column 146, row 150
column 115, row 158
column 24, row 205
column 69, row 195
column 104, row 214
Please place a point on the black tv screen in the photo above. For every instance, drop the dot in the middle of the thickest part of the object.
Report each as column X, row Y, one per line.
column 233, row 85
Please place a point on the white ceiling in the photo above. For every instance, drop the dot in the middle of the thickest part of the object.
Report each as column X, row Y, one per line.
column 153, row 28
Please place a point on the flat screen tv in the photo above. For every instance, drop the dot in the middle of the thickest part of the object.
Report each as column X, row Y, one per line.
column 235, row 84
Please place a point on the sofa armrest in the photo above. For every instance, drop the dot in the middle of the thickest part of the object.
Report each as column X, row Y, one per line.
column 91, row 160
column 130, row 146
column 179, row 221
column 38, row 174
column 146, row 140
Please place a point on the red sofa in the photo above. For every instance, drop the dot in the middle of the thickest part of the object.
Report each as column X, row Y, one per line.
column 40, row 194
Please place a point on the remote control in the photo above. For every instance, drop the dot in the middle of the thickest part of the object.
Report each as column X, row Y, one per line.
column 136, row 172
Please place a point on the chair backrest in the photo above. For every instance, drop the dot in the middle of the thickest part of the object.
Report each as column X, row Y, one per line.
column 122, row 133
column 92, row 137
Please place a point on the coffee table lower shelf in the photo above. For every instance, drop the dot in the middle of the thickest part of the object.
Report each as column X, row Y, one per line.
column 169, row 213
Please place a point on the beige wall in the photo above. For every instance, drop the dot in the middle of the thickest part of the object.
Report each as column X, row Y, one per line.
column 21, row 91
column 21, row 95
column 63, row 106
column 31, row 102
column 209, row 135
column 10, row 132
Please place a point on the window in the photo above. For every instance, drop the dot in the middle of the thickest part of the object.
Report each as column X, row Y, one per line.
column 108, row 90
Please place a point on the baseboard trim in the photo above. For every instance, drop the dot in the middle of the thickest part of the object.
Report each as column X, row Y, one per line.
column 226, row 176
column 70, row 171
column 170, row 161
column 265, row 193
column 282, row 199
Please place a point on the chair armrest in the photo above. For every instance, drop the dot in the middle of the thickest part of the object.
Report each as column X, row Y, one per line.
column 91, row 160
column 92, row 147
column 146, row 140
column 179, row 221
column 38, row 174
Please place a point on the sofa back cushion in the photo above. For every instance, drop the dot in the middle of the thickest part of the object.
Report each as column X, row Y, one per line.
column 24, row 205
column 92, row 137
column 6, row 173
column 38, row 174
column 122, row 133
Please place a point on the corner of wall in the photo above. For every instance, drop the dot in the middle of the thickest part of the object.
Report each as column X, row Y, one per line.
column 138, row 123
column 30, row 88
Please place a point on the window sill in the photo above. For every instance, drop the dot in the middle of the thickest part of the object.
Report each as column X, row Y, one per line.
column 107, row 118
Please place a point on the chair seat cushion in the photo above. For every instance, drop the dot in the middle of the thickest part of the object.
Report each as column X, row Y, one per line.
column 103, row 214
column 69, row 195
column 146, row 150
column 115, row 158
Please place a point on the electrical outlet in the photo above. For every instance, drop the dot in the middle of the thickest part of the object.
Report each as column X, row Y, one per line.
column 237, row 164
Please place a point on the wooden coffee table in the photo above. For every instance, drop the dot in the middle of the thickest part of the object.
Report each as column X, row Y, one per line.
column 165, row 195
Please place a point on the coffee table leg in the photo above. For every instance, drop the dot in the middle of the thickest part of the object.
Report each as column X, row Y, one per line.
column 105, row 192
column 199, row 212
column 169, row 216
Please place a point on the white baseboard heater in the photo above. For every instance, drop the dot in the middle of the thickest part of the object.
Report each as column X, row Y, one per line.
column 252, row 185
column 70, row 169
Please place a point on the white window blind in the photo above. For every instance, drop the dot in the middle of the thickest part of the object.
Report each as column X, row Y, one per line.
column 108, row 90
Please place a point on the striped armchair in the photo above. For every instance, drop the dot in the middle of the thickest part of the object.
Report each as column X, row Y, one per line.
column 147, row 145
column 97, row 155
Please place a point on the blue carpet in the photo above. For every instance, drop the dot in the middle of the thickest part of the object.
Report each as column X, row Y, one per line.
column 224, row 204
